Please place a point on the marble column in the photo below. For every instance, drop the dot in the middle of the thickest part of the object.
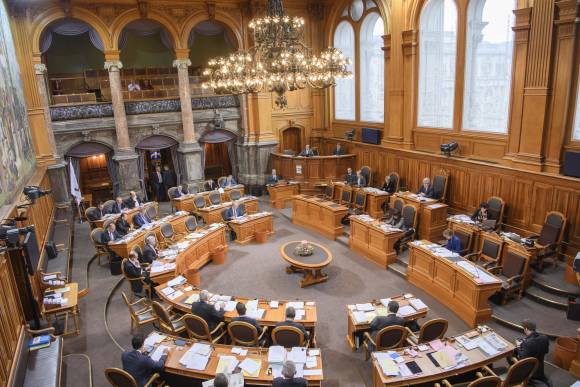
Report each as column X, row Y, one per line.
column 57, row 170
column 114, row 68
column 185, row 99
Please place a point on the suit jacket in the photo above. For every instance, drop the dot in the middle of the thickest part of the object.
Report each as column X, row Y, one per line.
column 249, row 320
column 292, row 323
column 307, row 153
column 350, row 178
column 360, row 181
column 95, row 215
column 122, row 227
column 229, row 213
column 381, row 322
column 397, row 223
column 454, row 244
column 476, row 216
column 118, row 208
column 390, row 188
column 149, row 254
column 131, row 203
column 338, row 152
column 207, row 312
column 294, row 382
column 141, row 366
column 210, row 185
column 139, row 220
column 168, row 178
column 428, row 192
column 534, row 345
column 133, row 271
column 106, row 238
column 154, row 179
column 226, row 184
column 273, row 179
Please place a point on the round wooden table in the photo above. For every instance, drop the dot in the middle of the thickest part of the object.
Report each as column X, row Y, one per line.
column 311, row 266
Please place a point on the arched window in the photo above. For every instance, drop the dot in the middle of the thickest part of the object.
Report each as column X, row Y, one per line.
column 437, row 51
column 576, row 127
column 344, row 92
column 372, row 69
column 488, row 65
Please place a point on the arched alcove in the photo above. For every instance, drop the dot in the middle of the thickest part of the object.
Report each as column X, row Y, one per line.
column 158, row 150
column 291, row 139
column 219, row 156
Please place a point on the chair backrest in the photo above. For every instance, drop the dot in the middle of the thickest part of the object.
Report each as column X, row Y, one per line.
column 288, row 336
column 128, row 303
column 147, row 235
column 192, row 188
column 433, row 330
column 513, row 264
column 329, row 191
column 491, row 247
column 197, row 327
column 224, row 215
column 399, row 203
column 495, row 208
column 487, row 381
column 151, row 212
column 90, row 212
column 409, row 215
column 346, row 195
column 199, row 201
column 557, row 222
column 171, row 192
column 215, row 197
column 367, row 172
column 167, row 230
column 360, row 199
column 191, row 223
column 464, row 238
column 391, row 337
column 163, row 316
column 394, row 176
column 221, row 180
column 243, row 333
column 119, row 378
column 97, row 236
column 439, row 187
column 235, row 194
column 108, row 206
column 520, row 373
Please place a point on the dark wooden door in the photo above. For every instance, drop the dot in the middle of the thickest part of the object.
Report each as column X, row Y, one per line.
column 291, row 139
column 217, row 160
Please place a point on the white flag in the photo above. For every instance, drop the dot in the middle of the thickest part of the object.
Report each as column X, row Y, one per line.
column 75, row 191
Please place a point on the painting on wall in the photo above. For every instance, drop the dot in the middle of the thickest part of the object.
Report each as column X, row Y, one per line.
column 16, row 153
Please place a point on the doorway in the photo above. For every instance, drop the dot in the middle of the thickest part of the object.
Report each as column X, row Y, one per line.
column 292, row 139
column 217, row 160
column 158, row 150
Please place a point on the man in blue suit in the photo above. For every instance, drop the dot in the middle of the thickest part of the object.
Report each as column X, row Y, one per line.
column 237, row 210
column 139, row 365
column 453, row 241
column 426, row 189
column 141, row 219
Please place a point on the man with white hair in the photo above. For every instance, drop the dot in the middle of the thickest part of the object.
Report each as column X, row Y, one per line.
column 150, row 253
column 426, row 189
column 141, row 218
column 288, row 379
column 206, row 311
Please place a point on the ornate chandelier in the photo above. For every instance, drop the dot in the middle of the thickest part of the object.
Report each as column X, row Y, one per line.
column 278, row 62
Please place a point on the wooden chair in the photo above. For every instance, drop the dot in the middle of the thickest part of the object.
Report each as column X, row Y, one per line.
column 288, row 337
column 198, row 329
column 512, row 272
column 151, row 212
column 518, row 374
column 108, row 206
column 235, row 194
column 169, row 323
column 191, row 188
column 90, row 214
column 147, row 287
column 399, row 204
column 346, row 196
column 198, row 203
column 440, row 186
column 328, row 193
column 550, row 239
column 171, row 192
column 140, row 311
column 54, row 279
column 495, row 210
column 190, row 224
column 243, row 333
column 215, row 198
column 367, row 172
column 168, row 233
column 465, row 238
column 387, row 338
column 395, row 177
column 221, row 180
column 359, row 203
column 100, row 248
column 432, row 330
column 119, row 378
column 489, row 254
column 409, row 216
column 483, row 381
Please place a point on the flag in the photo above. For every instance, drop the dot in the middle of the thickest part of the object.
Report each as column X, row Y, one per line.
column 74, row 185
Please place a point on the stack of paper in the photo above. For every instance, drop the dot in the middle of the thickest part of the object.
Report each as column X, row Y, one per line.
column 168, row 290
column 255, row 313
column 251, row 367
column 368, row 307
column 388, row 366
column 295, row 304
column 406, row 310
column 417, row 304
column 175, row 295
column 197, row 357
column 300, row 314
column 191, row 299
column 230, row 306
column 445, row 361
column 227, row 364
column 154, row 338
column 276, row 354
column 297, row 355
column 385, row 302
column 176, row 281
column 359, row 317
column 156, row 355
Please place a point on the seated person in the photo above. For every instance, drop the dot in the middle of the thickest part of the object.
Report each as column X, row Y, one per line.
column 307, row 152
column 221, row 380
column 399, row 223
column 141, row 366
column 119, row 206
column 180, row 191
column 390, row 319
column 229, row 182
column 150, row 253
column 481, row 213
column 97, row 214
column 289, row 322
column 210, row 185
column 396, row 220
column 533, row 345
column 141, row 218
column 110, row 234
column 360, row 179
column 339, row 150
column 133, row 200
column 133, row 269
column 241, row 309
column 453, row 241
column 274, row 178
column 237, row 210
column 389, row 185
column 350, row 177
column 132, row 86
column 122, row 225
column 426, row 189
column 287, row 379
column 207, row 311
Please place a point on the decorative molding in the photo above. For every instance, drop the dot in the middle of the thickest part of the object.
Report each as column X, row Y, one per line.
column 40, row 68
column 182, row 63
column 79, row 112
column 113, row 65
column 86, row 135
column 143, row 8
column 539, row 53
column 210, row 5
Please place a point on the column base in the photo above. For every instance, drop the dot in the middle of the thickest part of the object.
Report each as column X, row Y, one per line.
column 254, row 164
column 128, row 173
column 528, row 162
column 191, row 171
column 59, row 183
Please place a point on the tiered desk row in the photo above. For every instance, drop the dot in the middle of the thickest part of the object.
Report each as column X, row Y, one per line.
column 432, row 215
column 130, row 213
column 185, row 203
column 319, row 214
column 373, row 239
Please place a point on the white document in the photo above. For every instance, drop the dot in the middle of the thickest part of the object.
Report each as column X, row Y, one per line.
column 228, row 364
column 297, row 355
column 255, row 313
column 276, row 354
column 311, row 362
column 359, row 317
column 406, row 310
column 230, row 306
column 156, row 355
column 175, row 295
column 274, row 304
column 385, row 302
column 417, row 304
column 368, row 307
column 154, row 338
column 176, row 281
column 276, row 370
column 295, row 304
column 201, row 349
column 300, row 314
column 239, row 351
column 316, row 372
column 197, row 362
column 250, row 366
column 314, row 352
column 253, row 304
column 168, row 290
column 486, row 347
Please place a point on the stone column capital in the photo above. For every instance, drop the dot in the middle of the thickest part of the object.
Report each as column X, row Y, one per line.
column 40, row 68
column 113, row 65
column 182, row 63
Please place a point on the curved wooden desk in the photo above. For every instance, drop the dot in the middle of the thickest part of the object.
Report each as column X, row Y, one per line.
column 310, row 265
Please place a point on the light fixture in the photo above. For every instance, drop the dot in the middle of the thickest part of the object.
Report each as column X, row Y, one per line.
column 278, row 62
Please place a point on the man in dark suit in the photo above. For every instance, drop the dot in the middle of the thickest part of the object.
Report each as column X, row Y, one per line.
column 133, row 269
column 168, row 177
column 122, row 225
column 98, row 213
column 179, row 192
column 389, row 185
column 339, row 150
column 426, row 189
column 111, row 235
column 237, row 210
column 453, row 241
column 157, row 183
column 139, row 365
column 288, row 379
column 133, row 200
column 210, row 185
column 350, row 177
column 119, row 206
column 360, row 179
column 274, row 178
column 229, row 182
column 390, row 319
column 289, row 322
column 536, row 346
column 206, row 311
column 241, row 309
column 307, row 152
column 140, row 219
column 150, row 253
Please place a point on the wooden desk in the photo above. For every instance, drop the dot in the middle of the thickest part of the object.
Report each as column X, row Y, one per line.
column 265, row 377
column 213, row 214
column 432, row 215
column 462, row 292
column 71, row 308
column 246, row 227
column 375, row 201
column 473, row 229
column 356, row 329
column 368, row 238
column 271, row 315
column 185, row 202
column 476, row 359
column 281, row 193
column 311, row 266
column 130, row 213
column 318, row 214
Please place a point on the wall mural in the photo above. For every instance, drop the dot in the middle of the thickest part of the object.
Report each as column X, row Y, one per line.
column 16, row 153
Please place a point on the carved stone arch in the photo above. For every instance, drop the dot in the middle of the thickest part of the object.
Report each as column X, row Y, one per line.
column 235, row 133
column 220, row 17
column 53, row 14
column 144, row 136
column 80, row 142
column 131, row 15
